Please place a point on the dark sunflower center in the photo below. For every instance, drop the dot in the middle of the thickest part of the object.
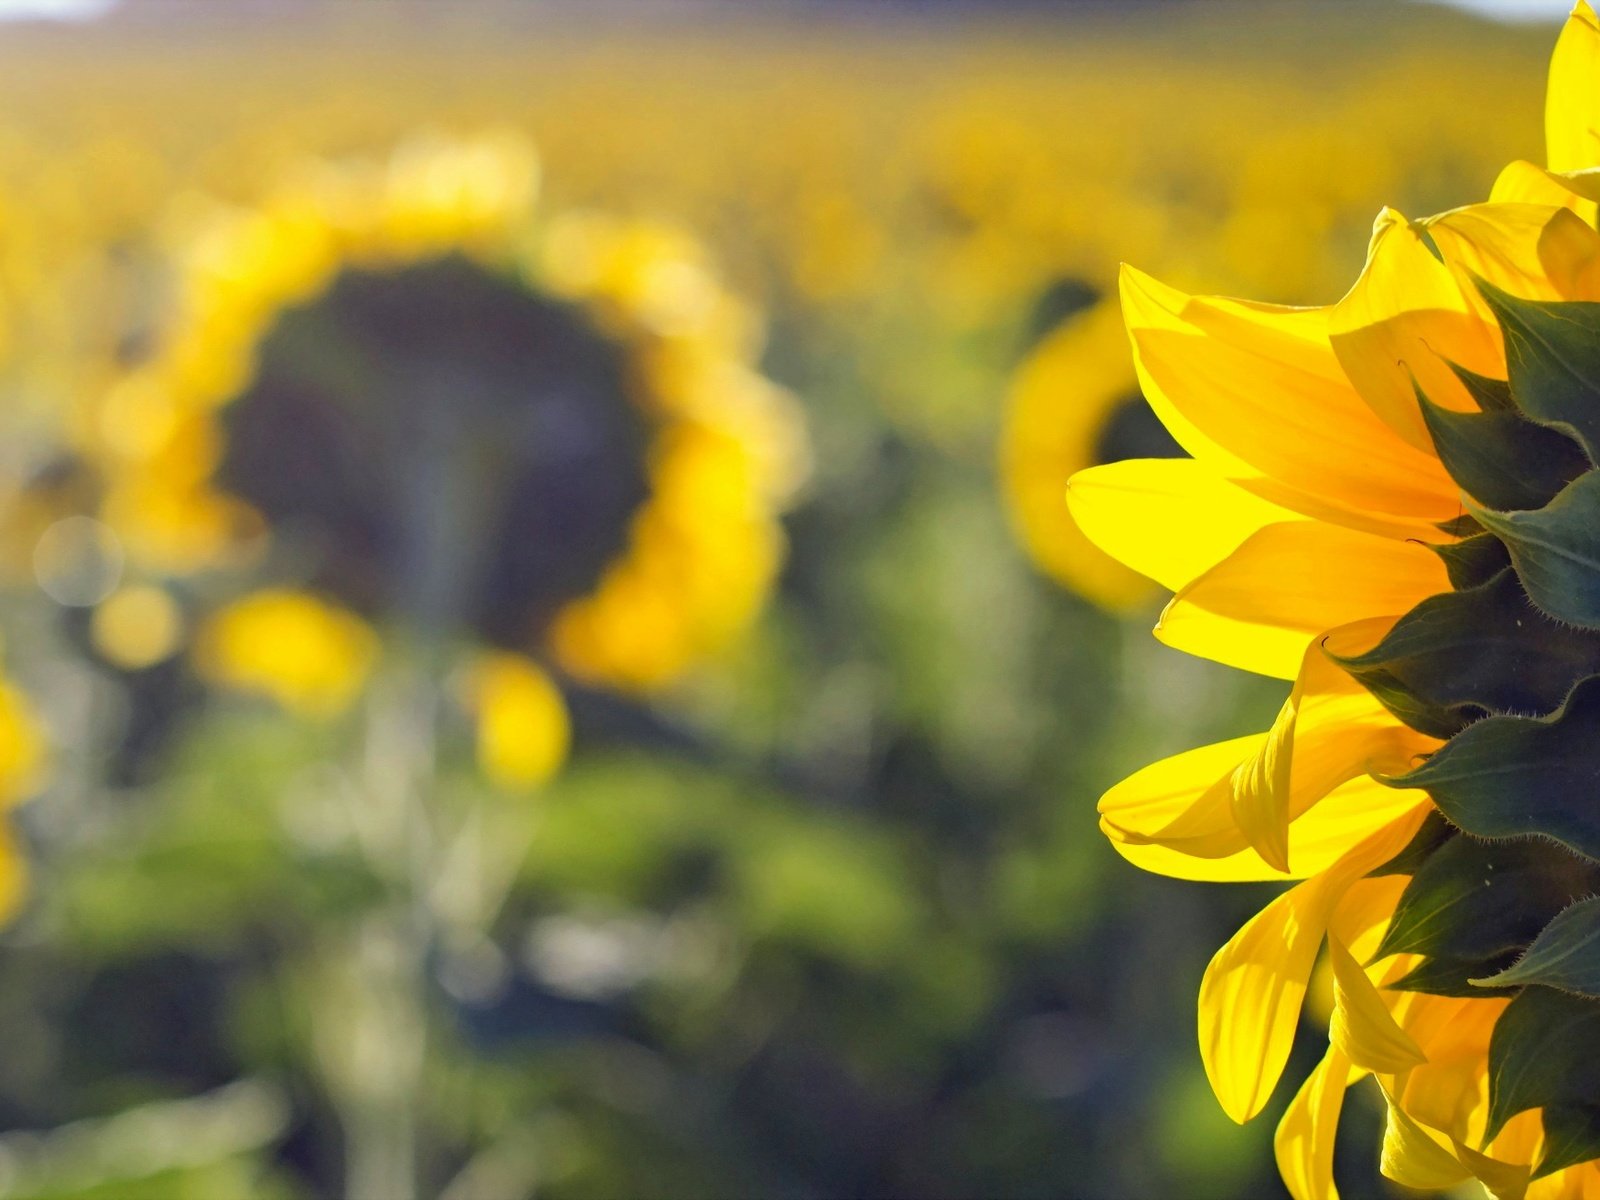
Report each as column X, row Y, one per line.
column 1132, row 430
column 441, row 444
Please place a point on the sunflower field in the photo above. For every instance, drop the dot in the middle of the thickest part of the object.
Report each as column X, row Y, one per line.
column 545, row 651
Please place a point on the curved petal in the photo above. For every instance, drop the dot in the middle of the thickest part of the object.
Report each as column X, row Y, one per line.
column 1395, row 329
column 1303, row 1144
column 1171, row 519
column 1287, row 583
column 1572, row 101
column 1255, row 389
column 1215, row 801
column 1316, row 841
column 1362, row 1026
column 1523, row 182
column 1415, row 1157
column 1252, row 992
column 1534, row 251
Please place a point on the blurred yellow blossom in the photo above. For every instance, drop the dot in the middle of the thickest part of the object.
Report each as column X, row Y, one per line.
column 522, row 727
column 310, row 656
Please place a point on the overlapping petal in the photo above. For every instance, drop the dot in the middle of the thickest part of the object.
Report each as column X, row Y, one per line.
column 1256, row 391
column 1202, row 517
column 1251, row 995
column 1314, row 413
column 1290, row 582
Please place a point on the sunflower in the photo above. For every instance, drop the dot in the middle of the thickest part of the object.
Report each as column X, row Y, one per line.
column 394, row 391
column 1392, row 501
column 1044, row 440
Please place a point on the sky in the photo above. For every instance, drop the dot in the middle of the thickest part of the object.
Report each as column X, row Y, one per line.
column 1516, row 10
column 1508, row 10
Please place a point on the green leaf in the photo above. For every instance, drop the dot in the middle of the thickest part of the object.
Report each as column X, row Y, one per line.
column 1460, row 655
column 1472, row 900
column 1571, row 1136
column 1492, row 395
column 1473, row 560
column 1510, row 776
column 1565, row 955
column 1556, row 550
column 1454, row 976
column 1544, row 1052
column 1434, row 832
column 1502, row 459
column 1553, row 360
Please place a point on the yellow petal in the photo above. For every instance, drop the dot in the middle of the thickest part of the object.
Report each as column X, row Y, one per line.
column 1289, row 582
column 1405, row 316
column 1168, row 518
column 1214, row 800
column 1503, row 1180
column 1303, row 1145
column 1572, row 101
column 1415, row 1157
column 1362, row 1026
column 1523, row 182
column 1364, row 914
column 1529, row 250
column 1263, row 786
column 1257, row 390
column 1253, row 989
column 1316, row 841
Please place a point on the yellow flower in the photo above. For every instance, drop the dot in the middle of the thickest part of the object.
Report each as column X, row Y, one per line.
column 310, row 656
column 24, row 761
column 1066, row 406
column 523, row 730
column 1391, row 501
column 575, row 394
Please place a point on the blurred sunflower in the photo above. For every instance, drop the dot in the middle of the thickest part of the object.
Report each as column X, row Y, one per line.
column 1393, row 502
column 23, row 761
column 1074, row 403
column 393, row 393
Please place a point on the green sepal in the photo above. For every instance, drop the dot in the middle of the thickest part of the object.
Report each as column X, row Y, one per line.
column 1492, row 395
column 1459, row 655
column 1434, row 832
column 1472, row 560
column 1472, row 899
column 1509, row 776
column 1544, row 1052
column 1454, row 976
column 1553, row 360
column 1565, row 955
column 1556, row 550
column 1502, row 459
column 1571, row 1136
column 1462, row 526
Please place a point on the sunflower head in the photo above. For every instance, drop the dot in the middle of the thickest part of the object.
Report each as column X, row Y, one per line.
column 1393, row 501
column 397, row 386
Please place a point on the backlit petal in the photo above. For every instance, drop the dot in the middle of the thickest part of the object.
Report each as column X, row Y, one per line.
column 1362, row 1026
column 1252, row 992
column 1171, row 519
column 1289, row 582
column 1257, row 390
column 1304, row 1141
column 1572, row 102
column 1395, row 329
